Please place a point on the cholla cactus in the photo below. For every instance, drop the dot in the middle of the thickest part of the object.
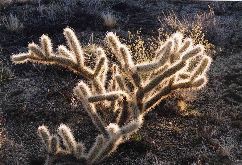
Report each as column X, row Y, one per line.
column 129, row 95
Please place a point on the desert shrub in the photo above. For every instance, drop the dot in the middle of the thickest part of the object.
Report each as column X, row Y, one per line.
column 12, row 23
column 118, row 93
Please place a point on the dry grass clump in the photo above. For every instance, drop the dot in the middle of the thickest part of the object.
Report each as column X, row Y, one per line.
column 2, row 134
column 109, row 19
column 143, row 48
column 2, row 137
column 4, row 3
column 54, row 9
column 5, row 74
column 12, row 23
column 194, row 27
column 43, row 13
column 38, row 13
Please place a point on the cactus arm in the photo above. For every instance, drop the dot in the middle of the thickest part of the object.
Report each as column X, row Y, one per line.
column 72, row 59
column 74, row 45
column 111, row 96
column 100, row 140
column 166, row 74
column 124, row 114
column 68, row 138
column 117, row 138
column 81, row 92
